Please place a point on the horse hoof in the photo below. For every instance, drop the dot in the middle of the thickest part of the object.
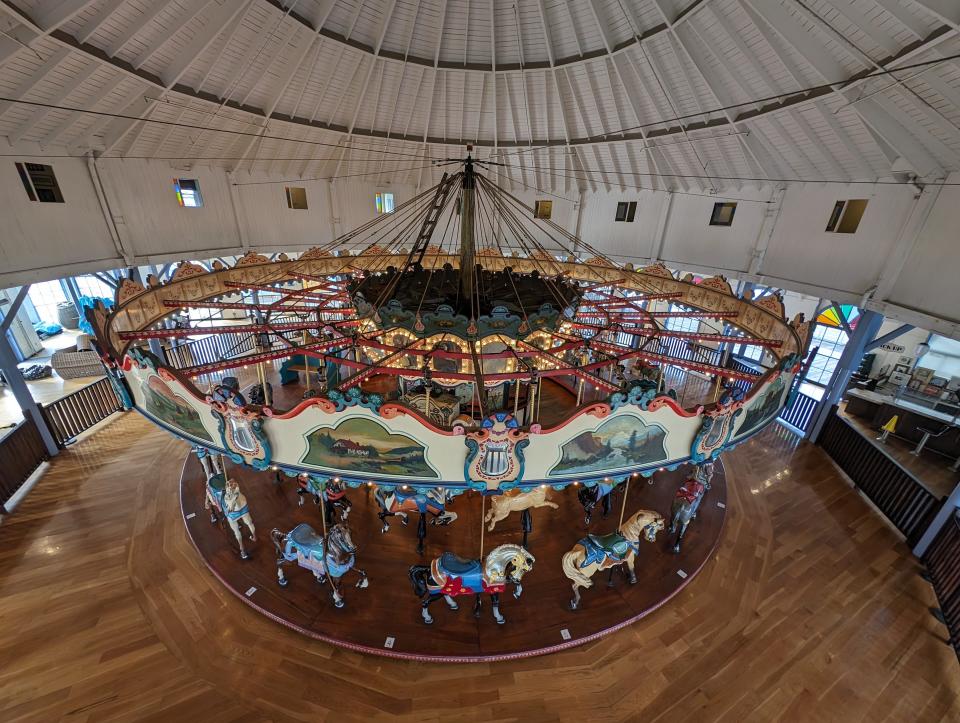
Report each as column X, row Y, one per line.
column 244, row 555
column 404, row 521
column 501, row 621
column 339, row 604
column 428, row 622
column 454, row 608
column 384, row 529
column 283, row 583
column 676, row 550
column 573, row 605
column 363, row 583
column 633, row 580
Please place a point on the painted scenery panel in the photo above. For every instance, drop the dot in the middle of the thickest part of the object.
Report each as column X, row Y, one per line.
column 620, row 442
column 365, row 446
column 160, row 401
column 764, row 407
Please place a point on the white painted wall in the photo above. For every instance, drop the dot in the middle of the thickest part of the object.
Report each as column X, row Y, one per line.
column 785, row 239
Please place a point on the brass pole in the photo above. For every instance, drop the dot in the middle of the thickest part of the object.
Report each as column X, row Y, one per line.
column 716, row 389
column 483, row 507
column 428, row 403
column 623, row 507
column 579, row 391
column 306, row 360
column 516, row 398
column 323, row 508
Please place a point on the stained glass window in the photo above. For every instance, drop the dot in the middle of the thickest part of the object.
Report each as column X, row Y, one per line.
column 384, row 202
column 829, row 316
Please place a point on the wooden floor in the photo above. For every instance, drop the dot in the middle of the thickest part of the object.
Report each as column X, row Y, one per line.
column 812, row 611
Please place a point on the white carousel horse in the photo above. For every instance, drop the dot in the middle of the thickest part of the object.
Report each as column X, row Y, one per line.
column 227, row 499
column 602, row 552
column 502, row 505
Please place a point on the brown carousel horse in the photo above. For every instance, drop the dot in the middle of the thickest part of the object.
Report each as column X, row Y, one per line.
column 603, row 552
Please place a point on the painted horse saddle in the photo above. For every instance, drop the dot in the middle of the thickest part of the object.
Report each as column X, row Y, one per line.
column 690, row 491
column 598, row 547
column 457, row 565
column 307, row 540
column 461, row 576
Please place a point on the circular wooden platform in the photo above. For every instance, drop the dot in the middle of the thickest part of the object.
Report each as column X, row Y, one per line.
column 388, row 611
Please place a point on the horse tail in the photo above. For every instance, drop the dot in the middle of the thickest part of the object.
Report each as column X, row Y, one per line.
column 378, row 496
column 571, row 566
column 418, row 576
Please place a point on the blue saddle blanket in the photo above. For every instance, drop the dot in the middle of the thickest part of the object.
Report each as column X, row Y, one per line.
column 614, row 546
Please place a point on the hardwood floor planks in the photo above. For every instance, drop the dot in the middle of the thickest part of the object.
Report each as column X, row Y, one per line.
column 812, row 611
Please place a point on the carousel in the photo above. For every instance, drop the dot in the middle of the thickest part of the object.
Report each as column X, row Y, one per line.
column 455, row 403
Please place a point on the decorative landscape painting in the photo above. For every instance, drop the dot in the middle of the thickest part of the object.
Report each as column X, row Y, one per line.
column 367, row 447
column 763, row 407
column 621, row 442
column 160, row 401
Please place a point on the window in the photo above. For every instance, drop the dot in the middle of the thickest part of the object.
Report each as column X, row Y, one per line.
column 831, row 341
column 384, row 202
column 751, row 352
column 296, row 197
column 39, row 182
column 723, row 214
column 45, row 296
column 188, row 192
column 626, row 210
column 94, row 287
column 542, row 209
column 846, row 215
column 683, row 323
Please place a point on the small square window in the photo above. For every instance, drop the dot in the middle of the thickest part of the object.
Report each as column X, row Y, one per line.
column 384, row 202
column 846, row 215
column 39, row 182
column 188, row 192
column 542, row 209
column 626, row 211
column 723, row 214
column 296, row 197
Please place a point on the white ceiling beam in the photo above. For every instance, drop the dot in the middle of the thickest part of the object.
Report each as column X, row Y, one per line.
column 52, row 17
column 94, row 24
column 946, row 11
column 135, row 27
column 36, row 77
column 222, row 15
column 54, row 135
column 819, row 57
column 40, row 114
column 183, row 18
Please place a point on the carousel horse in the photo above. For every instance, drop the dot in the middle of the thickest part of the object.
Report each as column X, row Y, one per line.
column 704, row 473
column 400, row 502
column 227, row 499
column 502, row 505
column 603, row 552
column 450, row 575
column 328, row 562
column 590, row 496
column 686, row 502
column 333, row 495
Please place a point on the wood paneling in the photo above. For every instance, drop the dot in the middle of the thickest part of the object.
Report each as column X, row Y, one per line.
column 813, row 610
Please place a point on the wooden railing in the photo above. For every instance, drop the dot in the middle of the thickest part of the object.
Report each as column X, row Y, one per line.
column 899, row 495
column 209, row 349
column 21, row 452
column 799, row 413
column 77, row 412
column 943, row 566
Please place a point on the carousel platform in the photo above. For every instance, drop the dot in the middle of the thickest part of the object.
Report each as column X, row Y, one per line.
column 384, row 619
